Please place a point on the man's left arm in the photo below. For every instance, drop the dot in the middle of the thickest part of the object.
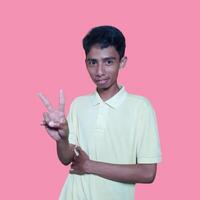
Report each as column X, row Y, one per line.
column 126, row 173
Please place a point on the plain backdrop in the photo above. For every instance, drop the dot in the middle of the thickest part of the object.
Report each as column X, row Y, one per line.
column 41, row 51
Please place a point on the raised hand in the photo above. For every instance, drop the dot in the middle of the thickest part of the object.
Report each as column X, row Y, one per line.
column 54, row 119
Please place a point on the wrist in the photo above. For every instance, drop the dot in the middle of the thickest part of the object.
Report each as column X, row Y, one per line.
column 62, row 141
column 63, row 133
column 89, row 165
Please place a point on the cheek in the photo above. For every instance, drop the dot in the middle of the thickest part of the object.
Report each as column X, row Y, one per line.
column 90, row 71
column 113, row 72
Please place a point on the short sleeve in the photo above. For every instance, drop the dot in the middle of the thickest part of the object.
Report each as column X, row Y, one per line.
column 148, row 147
column 72, row 123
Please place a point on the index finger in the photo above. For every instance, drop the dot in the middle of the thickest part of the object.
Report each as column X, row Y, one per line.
column 62, row 101
column 46, row 102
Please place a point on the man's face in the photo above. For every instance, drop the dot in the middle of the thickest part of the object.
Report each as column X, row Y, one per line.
column 103, row 66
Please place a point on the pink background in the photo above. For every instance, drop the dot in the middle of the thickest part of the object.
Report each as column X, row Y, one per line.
column 40, row 50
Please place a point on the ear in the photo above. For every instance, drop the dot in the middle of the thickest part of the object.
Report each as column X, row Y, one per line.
column 123, row 62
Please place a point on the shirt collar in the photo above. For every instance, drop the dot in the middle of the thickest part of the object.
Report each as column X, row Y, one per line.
column 114, row 101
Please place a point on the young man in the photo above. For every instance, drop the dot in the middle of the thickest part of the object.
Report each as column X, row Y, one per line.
column 110, row 137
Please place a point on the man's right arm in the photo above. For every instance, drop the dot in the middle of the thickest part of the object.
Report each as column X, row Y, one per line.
column 57, row 127
column 65, row 151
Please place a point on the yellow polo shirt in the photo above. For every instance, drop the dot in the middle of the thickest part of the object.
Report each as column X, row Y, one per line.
column 121, row 130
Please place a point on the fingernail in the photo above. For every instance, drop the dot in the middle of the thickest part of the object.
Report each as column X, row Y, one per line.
column 51, row 123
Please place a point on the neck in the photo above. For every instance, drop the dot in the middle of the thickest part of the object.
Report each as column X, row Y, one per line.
column 107, row 93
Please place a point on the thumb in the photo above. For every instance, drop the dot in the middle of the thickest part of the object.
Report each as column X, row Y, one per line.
column 78, row 148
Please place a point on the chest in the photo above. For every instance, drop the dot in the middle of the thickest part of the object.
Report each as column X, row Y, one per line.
column 103, row 127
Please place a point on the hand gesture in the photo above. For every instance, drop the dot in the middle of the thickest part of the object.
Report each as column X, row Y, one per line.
column 54, row 119
column 80, row 163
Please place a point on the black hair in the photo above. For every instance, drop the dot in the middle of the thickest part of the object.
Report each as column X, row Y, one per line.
column 105, row 36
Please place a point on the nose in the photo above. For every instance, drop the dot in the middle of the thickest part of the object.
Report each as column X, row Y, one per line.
column 100, row 69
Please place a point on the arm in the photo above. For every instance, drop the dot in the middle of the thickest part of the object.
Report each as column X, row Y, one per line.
column 126, row 173
column 57, row 127
column 65, row 151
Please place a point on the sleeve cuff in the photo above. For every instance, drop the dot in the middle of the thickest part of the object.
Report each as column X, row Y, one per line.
column 148, row 160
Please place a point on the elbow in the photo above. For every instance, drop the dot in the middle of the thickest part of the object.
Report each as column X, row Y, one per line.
column 149, row 174
column 145, row 179
column 64, row 162
column 150, row 178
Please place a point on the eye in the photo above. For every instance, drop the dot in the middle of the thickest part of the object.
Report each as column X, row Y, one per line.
column 91, row 62
column 109, row 62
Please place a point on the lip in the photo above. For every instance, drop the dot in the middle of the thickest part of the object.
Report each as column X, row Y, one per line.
column 101, row 81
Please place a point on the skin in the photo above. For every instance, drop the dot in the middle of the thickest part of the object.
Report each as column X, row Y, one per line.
column 56, row 126
column 125, row 173
column 103, row 66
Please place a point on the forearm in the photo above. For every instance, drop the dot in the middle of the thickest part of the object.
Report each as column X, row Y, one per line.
column 65, row 151
column 127, row 173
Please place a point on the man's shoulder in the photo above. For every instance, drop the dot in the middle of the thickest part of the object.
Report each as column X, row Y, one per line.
column 82, row 99
column 138, row 100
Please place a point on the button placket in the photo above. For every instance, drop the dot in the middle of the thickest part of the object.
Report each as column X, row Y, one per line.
column 101, row 118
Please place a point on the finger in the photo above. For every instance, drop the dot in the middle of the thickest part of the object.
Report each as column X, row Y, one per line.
column 73, row 168
column 45, row 101
column 62, row 101
column 78, row 149
column 63, row 120
column 62, row 133
column 75, row 158
column 46, row 117
column 72, row 171
column 43, row 123
column 53, row 124
column 53, row 134
column 76, row 152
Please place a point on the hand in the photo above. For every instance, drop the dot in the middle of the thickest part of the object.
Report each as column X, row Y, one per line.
column 80, row 163
column 54, row 120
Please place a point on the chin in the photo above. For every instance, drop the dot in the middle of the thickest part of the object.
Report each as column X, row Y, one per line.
column 103, row 87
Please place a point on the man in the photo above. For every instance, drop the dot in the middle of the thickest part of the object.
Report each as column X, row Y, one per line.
column 110, row 137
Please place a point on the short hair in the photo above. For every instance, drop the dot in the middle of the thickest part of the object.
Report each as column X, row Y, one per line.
column 105, row 36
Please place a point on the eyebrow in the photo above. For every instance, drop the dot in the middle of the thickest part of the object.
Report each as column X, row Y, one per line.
column 109, row 58
column 104, row 59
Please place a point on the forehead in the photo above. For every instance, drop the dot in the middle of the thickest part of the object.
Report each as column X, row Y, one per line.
column 99, row 53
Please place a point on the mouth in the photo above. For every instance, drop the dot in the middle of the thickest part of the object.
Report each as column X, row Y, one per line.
column 101, row 81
